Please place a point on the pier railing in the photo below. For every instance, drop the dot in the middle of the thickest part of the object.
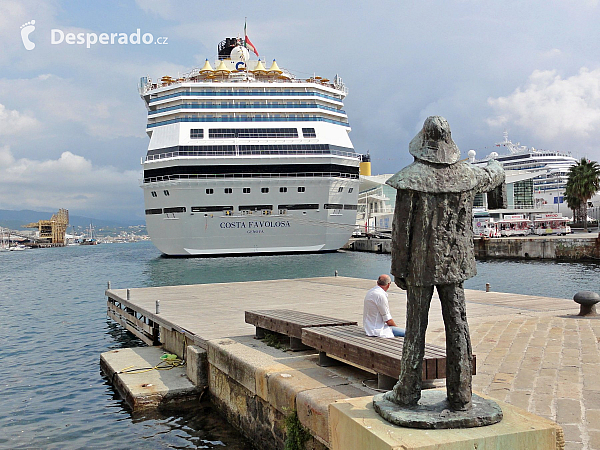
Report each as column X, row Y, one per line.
column 133, row 321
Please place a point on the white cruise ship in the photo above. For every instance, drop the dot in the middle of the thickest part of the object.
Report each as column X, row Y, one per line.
column 245, row 159
column 551, row 168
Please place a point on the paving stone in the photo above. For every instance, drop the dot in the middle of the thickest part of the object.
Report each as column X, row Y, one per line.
column 572, row 433
column 568, row 411
column 594, row 439
column 525, row 379
column 591, row 398
column 592, row 418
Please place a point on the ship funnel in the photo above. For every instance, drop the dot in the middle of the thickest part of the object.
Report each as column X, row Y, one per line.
column 365, row 165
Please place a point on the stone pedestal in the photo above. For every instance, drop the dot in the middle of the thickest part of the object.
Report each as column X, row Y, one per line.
column 355, row 424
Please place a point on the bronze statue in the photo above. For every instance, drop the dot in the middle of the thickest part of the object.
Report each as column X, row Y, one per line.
column 432, row 245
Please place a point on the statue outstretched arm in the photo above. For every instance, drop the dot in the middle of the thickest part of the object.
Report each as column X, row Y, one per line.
column 490, row 176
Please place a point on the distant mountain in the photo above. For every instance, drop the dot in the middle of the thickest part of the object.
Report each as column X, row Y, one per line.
column 16, row 219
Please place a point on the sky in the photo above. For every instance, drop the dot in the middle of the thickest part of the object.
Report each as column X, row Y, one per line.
column 72, row 124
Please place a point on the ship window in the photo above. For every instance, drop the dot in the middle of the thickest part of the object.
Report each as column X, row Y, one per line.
column 255, row 207
column 175, row 209
column 264, row 190
column 154, row 194
column 340, row 189
column 282, row 189
column 300, row 206
column 350, row 189
column 196, row 133
column 301, row 189
column 283, row 211
column 252, row 133
column 309, row 133
column 210, row 191
column 246, row 190
column 153, row 211
column 211, row 208
column 333, row 206
column 166, row 192
column 228, row 190
column 353, row 207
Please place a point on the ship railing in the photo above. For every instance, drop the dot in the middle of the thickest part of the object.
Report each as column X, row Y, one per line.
column 291, row 118
column 269, row 153
column 247, row 106
column 218, row 176
column 150, row 86
column 233, row 93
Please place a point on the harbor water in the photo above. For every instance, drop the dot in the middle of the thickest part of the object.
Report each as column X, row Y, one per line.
column 54, row 327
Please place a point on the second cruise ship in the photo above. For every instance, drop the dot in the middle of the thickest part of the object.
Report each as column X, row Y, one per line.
column 245, row 159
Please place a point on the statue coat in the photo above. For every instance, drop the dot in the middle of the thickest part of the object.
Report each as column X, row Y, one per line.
column 432, row 232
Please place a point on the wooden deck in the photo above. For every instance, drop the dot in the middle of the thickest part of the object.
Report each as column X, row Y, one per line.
column 212, row 311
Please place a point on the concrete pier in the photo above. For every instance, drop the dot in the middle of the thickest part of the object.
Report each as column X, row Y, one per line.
column 572, row 247
column 533, row 353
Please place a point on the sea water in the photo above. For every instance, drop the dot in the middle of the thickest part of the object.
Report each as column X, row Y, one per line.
column 54, row 327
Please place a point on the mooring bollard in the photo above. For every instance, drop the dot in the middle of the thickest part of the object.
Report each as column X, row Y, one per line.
column 336, row 272
column 157, row 306
column 108, row 285
column 128, row 294
column 587, row 301
column 487, row 287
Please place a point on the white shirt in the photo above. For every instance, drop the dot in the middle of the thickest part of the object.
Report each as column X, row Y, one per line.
column 376, row 313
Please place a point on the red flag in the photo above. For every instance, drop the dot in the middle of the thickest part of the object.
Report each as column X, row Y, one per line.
column 249, row 45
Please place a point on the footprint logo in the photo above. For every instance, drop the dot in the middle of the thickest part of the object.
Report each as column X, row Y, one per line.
column 26, row 30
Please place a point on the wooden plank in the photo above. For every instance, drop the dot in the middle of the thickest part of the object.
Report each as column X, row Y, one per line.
column 378, row 354
column 290, row 322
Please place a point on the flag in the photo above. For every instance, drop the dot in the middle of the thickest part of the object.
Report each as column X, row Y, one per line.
column 249, row 44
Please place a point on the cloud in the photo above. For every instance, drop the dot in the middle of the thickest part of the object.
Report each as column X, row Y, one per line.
column 160, row 8
column 70, row 182
column 552, row 107
column 13, row 122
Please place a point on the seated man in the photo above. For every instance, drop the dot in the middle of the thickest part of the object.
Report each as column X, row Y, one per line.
column 377, row 319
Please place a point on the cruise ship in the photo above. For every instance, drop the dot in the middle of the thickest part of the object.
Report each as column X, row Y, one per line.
column 551, row 168
column 247, row 159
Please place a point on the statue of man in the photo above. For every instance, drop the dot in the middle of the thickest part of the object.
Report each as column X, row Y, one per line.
column 432, row 245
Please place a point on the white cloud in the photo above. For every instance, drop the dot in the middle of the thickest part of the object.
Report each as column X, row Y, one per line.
column 13, row 122
column 71, row 182
column 552, row 107
column 161, row 8
column 59, row 100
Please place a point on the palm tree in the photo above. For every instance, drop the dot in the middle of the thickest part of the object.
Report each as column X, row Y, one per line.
column 583, row 183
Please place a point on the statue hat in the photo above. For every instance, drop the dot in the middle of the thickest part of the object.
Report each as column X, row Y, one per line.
column 434, row 142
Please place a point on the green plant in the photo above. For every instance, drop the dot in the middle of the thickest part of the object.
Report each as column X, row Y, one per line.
column 296, row 436
column 272, row 340
column 583, row 183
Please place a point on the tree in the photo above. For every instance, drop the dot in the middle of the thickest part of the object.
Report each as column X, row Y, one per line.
column 582, row 184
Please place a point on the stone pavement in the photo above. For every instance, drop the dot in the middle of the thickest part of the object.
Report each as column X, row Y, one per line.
column 548, row 365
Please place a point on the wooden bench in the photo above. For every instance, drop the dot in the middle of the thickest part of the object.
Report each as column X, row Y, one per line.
column 290, row 323
column 380, row 355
